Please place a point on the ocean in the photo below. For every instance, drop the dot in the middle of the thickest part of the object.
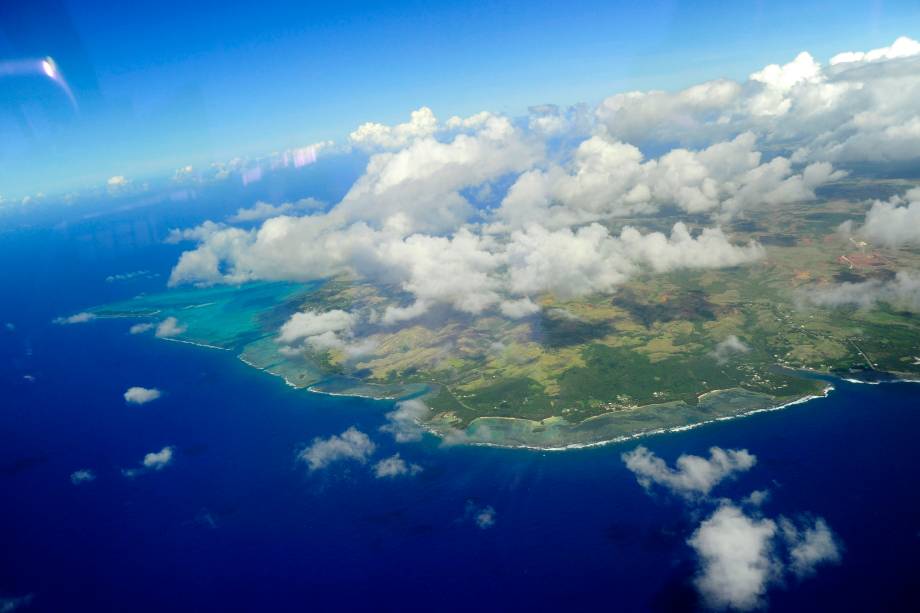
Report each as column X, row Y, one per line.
column 237, row 523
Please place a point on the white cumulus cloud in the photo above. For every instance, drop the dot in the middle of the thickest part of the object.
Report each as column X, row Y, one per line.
column 264, row 210
column 693, row 475
column 902, row 292
column 319, row 330
column 809, row 545
column 159, row 459
column 78, row 318
column 352, row 444
column 395, row 466
column 422, row 123
column 736, row 558
column 141, row 395
column 404, row 421
column 140, row 328
column 859, row 108
column 169, row 328
column 894, row 223
column 153, row 461
column 742, row 556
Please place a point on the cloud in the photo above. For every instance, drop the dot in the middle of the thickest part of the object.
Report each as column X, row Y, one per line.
column 410, row 191
column 741, row 556
column 757, row 498
column 264, row 210
column 350, row 445
column 684, row 116
column 141, row 395
column 79, row 318
column 404, row 422
column 395, row 466
column 736, row 559
column 117, row 181
column 895, row 223
column 902, row 47
column 140, row 328
column 198, row 233
column 321, row 330
column 184, row 173
column 694, row 476
column 153, row 461
column 422, row 123
column 311, row 323
column 83, row 475
column 417, row 188
column 574, row 263
column 608, row 178
column 483, row 516
column 809, row 545
column 169, row 328
column 455, row 271
column 902, row 292
column 740, row 552
column 730, row 346
column 158, row 460
column 859, row 108
column 550, row 120
column 515, row 309
column 469, row 272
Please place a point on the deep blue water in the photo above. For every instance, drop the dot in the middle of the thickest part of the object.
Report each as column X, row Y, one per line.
column 237, row 524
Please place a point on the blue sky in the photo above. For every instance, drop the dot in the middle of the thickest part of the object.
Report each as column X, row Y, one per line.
column 172, row 83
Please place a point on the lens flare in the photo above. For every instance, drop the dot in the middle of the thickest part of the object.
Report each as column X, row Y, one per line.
column 46, row 67
column 49, row 68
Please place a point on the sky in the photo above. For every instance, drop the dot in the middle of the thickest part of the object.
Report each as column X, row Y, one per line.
column 160, row 86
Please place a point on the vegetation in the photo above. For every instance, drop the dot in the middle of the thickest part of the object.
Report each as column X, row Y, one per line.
column 659, row 341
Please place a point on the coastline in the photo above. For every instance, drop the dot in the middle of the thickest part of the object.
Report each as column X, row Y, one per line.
column 196, row 344
column 453, row 436
column 554, row 433
column 460, row 434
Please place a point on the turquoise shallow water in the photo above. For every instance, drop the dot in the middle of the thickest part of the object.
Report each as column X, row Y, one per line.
column 229, row 317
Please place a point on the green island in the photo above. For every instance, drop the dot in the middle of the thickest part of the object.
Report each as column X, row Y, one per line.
column 663, row 352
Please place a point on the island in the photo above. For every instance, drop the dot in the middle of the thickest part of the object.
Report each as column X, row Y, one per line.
column 662, row 352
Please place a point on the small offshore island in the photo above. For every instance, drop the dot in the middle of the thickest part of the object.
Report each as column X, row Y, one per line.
column 662, row 352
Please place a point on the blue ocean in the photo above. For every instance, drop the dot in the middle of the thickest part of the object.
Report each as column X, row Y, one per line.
column 236, row 523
